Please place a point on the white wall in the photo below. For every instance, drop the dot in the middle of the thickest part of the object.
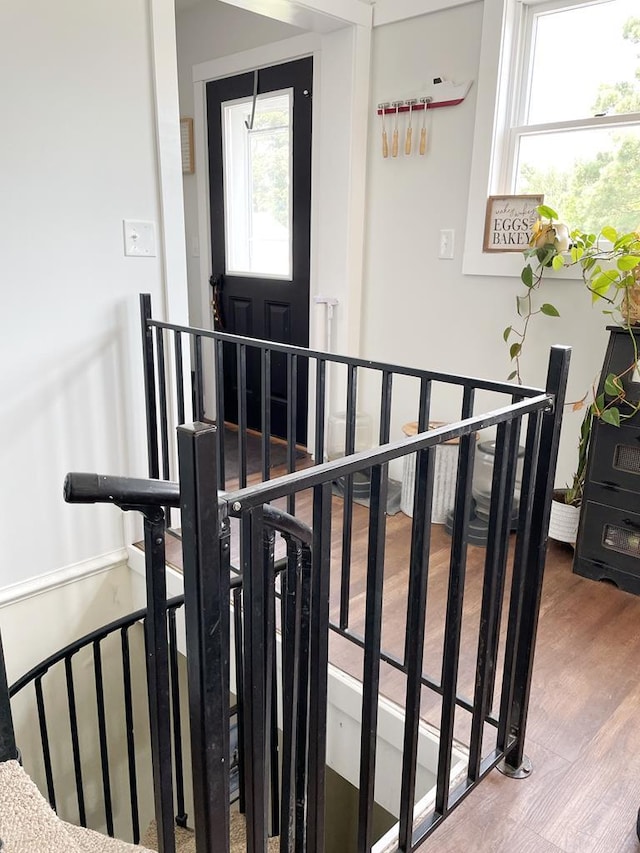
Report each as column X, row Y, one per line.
column 207, row 31
column 79, row 155
column 418, row 309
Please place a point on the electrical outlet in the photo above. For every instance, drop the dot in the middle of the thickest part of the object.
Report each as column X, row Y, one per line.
column 446, row 243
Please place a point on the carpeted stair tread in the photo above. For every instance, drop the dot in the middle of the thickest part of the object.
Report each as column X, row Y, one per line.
column 186, row 840
column 28, row 824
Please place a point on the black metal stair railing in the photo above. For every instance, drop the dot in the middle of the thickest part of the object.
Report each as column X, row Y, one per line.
column 60, row 667
column 211, row 585
column 541, row 416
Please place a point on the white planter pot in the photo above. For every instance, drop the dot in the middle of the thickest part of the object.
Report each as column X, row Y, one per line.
column 563, row 524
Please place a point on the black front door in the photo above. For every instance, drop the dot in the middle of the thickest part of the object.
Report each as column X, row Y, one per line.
column 260, row 195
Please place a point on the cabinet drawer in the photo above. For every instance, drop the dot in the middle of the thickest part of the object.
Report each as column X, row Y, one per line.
column 615, row 458
column 612, row 536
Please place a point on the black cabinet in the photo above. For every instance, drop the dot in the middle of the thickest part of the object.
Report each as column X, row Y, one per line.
column 608, row 544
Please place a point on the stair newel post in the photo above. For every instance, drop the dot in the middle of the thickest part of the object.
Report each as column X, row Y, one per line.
column 157, row 652
column 8, row 750
column 205, row 546
column 532, row 572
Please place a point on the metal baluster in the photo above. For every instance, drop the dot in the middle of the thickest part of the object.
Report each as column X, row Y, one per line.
column 347, row 519
column 75, row 744
column 271, row 699
column 415, row 631
column 265, row 366
column 102, row 737
column 199, row 386
column 181, row 815
column 44, row 737
column 302, row 713
column 292, row 412
column 455, row 596
column 493, row 586
column 319, row 654
column 238, row 646
column 292, row 604
column 220, row 460
column 321, row 391
column 131, row 748
column 157, row 651
column 373, row 635
column 424, row 407
column 149, row 386
column 255, row 668
column 164, row 414
column 241, row 350
column 177, row 349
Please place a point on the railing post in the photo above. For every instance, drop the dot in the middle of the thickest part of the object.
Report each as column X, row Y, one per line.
column 205, row 546
column 535, row 558
column 8, row 750
column 157, row 652
column 148, row 361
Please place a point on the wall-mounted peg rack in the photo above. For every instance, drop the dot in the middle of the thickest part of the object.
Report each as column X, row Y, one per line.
column 441, row 94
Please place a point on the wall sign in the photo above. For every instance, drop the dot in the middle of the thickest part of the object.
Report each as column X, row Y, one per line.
column 508, row 222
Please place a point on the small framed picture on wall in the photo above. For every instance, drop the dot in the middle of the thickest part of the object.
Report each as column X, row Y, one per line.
column 508, row 222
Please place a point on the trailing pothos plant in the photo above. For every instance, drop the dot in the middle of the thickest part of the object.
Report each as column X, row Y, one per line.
column 609, row 263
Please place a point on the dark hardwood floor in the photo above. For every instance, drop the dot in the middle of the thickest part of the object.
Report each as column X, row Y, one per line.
column 583, row 732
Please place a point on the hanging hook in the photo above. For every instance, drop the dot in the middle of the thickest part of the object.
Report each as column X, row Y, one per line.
column 423, row 131
column 249, row 124
column 385, row 142
column 394, row 138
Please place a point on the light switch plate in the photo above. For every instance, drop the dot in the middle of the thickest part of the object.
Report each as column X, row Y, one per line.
column 139, row 238
column 446, row 243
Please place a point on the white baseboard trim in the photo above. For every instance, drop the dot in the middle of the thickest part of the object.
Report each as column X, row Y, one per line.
column 62, row 577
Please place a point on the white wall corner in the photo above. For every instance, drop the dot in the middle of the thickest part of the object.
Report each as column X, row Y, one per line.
column 357, row 215
column 172, row 231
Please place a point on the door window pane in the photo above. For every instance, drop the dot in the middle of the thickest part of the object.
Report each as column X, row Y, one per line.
column 257, row 167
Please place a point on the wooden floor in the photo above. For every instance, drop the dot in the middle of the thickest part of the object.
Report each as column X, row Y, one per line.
column 584, row 723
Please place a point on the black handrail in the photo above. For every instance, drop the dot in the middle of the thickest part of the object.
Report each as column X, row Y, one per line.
column 93, row 636
column 131, row 493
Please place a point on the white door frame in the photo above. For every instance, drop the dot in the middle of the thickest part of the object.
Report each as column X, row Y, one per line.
column 346, row 98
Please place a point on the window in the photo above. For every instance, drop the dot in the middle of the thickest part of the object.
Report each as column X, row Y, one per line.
column 575, row 128
column 258, row 185
column 558, row 113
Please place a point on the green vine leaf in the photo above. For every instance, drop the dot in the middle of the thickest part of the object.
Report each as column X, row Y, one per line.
column 549, row 310
column 609, row 233
column 628, row 262
column 546, row 212
column 527, row 276
column 512, row 375
column 613, row 386
column 611, row 416
column 558, row 262
column 601, row 283
column 506, row 333
column 514, row 350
